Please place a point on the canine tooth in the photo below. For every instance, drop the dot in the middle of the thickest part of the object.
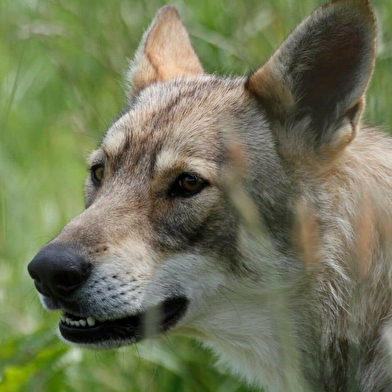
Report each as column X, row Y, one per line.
column 68, row 320
column 82, row 322
column 90, row 321
column 62, row 316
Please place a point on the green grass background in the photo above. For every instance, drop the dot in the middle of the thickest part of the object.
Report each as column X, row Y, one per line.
column 61, row 82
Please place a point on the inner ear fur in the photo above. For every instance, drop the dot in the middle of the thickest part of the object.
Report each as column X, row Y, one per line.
column 313, row 87
column 164, row 53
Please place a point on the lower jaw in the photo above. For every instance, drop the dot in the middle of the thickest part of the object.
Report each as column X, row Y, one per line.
column 101, row 335
column 129, row 330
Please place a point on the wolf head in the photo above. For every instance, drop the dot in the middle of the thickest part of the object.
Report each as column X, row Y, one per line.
column 191, row 193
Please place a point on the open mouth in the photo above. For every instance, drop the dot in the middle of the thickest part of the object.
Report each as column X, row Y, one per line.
column 127, row 330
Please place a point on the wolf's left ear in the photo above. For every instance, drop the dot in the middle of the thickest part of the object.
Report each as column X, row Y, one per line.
column 313, row 86
column 164, row 53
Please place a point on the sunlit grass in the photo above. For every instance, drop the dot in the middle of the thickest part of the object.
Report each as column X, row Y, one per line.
column 61, row 80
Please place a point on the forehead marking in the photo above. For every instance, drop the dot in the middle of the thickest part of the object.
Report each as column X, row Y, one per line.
column 97, row 156
column 169, row 159
column 116, row 138
column 166, row 159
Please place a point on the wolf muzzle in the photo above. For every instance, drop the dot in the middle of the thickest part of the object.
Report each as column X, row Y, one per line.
column 61, row 273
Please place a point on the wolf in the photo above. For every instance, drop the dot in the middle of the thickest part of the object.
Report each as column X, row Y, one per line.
column 250, row 213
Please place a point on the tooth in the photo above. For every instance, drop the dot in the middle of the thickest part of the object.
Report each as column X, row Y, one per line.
column 76, row 323
column 90, row 321
column 72, row 322
column 82, row 322
column 62, row 316
column 68, row 320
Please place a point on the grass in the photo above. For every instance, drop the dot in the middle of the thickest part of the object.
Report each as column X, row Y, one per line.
column 61, row 73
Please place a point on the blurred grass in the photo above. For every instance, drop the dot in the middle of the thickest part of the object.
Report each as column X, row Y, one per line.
column 61, row 67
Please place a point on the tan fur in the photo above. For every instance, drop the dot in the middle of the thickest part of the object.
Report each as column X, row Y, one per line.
column 281, row 260
column 165, row 53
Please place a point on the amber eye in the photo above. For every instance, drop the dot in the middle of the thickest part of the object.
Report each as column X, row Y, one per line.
column 187, row 185
column 97, row 173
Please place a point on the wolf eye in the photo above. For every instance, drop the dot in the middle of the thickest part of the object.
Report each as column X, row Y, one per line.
column 187, row 185
column 97, row 172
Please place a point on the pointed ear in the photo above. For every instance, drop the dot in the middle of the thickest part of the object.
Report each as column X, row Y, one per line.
column 164, row 53
column 313, row 86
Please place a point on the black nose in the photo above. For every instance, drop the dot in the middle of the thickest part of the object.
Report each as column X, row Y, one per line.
column 58, row 270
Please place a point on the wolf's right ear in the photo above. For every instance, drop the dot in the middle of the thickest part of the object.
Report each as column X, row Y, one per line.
column 164, row 53
column 312, row 88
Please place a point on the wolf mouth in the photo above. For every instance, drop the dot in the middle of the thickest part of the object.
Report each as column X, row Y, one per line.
column 131, row 329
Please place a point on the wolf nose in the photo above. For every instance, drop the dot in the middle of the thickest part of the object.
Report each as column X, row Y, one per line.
column 58, row 270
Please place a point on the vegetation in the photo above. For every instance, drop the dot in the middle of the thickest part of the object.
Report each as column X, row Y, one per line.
column 61, row 72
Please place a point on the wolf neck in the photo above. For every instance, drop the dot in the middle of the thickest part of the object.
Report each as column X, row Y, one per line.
column 255, row 336
column 253, row 320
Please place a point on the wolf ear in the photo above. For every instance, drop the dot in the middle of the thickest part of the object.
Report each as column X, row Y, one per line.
column 164, row 53
column 313, row 85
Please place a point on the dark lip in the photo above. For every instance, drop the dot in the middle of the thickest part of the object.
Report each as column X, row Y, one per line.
column 128, row 330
